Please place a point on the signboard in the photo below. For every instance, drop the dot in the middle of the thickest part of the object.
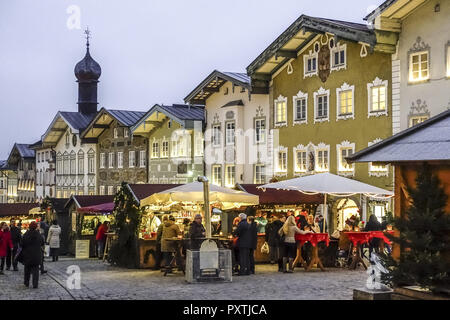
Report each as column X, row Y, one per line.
column 74, row 221
column 82, row 249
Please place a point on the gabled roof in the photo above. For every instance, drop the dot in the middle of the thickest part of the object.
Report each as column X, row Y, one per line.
column 3, row 164
column 105, row 117
column 186, row 115
column 76, row 121
column 86, row 201
column 142, row 191
column 20, row 150
column 212, row 84
column 394, row 9
column 299, row 34
column 427, row 141
column 16, row 209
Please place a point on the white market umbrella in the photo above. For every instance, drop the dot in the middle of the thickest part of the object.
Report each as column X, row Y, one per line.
column 193, row 193
column 329, row 184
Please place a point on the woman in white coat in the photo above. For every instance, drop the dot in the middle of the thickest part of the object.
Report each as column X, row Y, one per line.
column 53, row 239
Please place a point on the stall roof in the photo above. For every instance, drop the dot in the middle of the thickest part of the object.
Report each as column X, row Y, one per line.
column 280, row 197
column 16, row 209
column 142, row 191
column 426, row 141
column 59, row 204
column 87, row 201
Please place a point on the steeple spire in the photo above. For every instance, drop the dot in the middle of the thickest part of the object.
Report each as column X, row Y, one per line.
column 87, row 72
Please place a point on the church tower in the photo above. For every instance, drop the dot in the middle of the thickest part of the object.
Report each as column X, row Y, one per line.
column 87, row 72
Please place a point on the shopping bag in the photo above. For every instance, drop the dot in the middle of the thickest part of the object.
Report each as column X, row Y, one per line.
column 265, row 248
column 19, row 255
column 47, row 251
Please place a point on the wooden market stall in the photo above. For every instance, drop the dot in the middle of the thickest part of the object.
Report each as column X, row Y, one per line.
column 83, row 224
column 23, row 213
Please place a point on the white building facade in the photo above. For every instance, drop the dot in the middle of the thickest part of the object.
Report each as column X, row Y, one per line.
column 421, row 65
column 238, row 144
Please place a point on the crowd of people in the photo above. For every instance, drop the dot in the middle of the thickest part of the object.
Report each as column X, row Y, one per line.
column 28, row 249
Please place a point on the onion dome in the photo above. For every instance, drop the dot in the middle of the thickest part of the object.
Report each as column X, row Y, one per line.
column 87, row 69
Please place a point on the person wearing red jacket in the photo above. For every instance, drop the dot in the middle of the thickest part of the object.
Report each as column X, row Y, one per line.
column 5, row 244
column 101, row 238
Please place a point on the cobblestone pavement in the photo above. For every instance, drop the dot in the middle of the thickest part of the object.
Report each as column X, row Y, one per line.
column 99, row 281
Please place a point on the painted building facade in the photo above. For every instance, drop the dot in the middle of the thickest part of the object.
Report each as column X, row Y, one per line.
column 21, row 160
column 421, row 63
column 175, row 142
column 122, row 156
column 238, row 146
column 3, row 182
column 330, row 96
column 45, row 171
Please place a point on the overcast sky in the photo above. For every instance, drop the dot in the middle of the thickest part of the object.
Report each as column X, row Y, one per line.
column 150, row 51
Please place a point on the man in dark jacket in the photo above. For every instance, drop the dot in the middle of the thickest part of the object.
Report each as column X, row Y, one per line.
column 16, row 236
column 32, row 242
column 253, row 230
column 274, row 241
column 244, row 244
column 197, row 232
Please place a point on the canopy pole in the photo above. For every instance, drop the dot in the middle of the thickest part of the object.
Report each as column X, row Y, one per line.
column 325, row 212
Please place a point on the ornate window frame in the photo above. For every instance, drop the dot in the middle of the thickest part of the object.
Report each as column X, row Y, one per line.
column 280, row 99
column 321, row 147
column 418, row 48
column 300, row 95
column 311, row 55
column 341, row 171
column 278, row 172
column 317, row 94
column 377, row 83
column 419, row 111
column 296, row 149
column 377, row 173
column 338, row 47
column 344, row 87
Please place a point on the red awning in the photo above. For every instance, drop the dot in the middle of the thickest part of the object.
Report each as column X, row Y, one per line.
column 281, row 197
column 99, row 208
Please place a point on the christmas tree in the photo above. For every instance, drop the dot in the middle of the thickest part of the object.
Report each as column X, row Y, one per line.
column 424, row 238
column 127, row 216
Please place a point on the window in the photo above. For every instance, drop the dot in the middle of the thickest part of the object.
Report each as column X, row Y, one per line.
column 155, row 150
column 260, row 174
column 338, row 57
column 180, row 144
column 230, row 172
column 116, row 133
column 300, row 105
column 375, row 168
column 280, row 111
column 73, row 163
column 111, row 160
column 260, row 130
column 377, row 95
column 413, row 120
column 322, row 160
column 345, row 149
column 300, row 160
column 310, row 63
column 165, row 149
column 102, row 160
column 229, row 133
column 198, row 144
column 67, row 140
column 217, row 175
column 110, row 190
column 447, row 48
column 345, row 98
column 131, row 159
column 119, row 159
column 125, row 132
column 321, row 105
column 80, row 165
column 91, row 163
column 418, row 66
column 216, row 135
column 66, row 164
column 282, row 160
column 142, row 159
column 102, row 190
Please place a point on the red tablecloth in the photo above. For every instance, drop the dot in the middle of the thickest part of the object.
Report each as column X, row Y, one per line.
column 358, row 237
column 313, row 238
column 365, row 237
